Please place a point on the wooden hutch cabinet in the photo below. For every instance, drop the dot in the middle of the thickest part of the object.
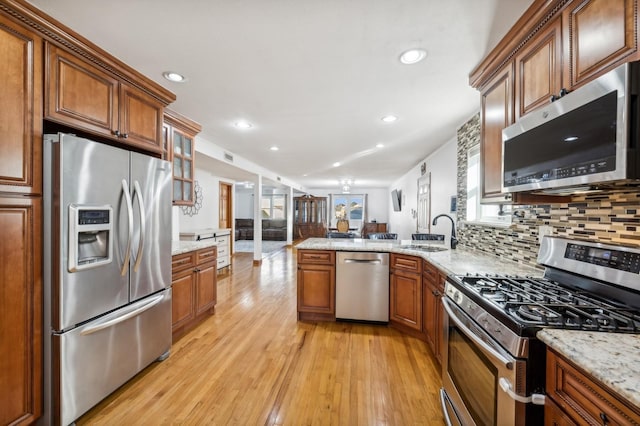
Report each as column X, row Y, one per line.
column 309, row 217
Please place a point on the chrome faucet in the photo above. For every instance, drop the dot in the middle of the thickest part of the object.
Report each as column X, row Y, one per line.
column 454, row 240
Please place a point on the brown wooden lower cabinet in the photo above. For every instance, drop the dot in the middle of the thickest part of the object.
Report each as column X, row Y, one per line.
column 194, row 288
column 582, row 398
column 316, row 282
column 405, row 292
column 554, row 416
column 433, row 289
column 20, row 310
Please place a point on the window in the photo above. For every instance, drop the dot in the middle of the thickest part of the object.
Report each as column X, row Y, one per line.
column 476, row 212
column 350, row 207
column 274, row 206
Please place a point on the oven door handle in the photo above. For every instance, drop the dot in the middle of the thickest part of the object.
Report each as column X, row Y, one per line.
column 534, row 398
column 485, row 347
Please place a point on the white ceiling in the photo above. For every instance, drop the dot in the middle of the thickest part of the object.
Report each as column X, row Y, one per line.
column 313, row 76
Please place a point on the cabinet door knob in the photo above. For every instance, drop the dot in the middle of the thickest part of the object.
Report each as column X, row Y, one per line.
column 604, row 418
column 116, row 133
column 124, row 135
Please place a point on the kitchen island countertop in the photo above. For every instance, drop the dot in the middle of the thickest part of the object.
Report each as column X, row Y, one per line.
column 453, row 262
column 612, row 358
column 180, row 247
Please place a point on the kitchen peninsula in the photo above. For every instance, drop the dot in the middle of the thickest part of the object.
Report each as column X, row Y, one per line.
column 416, row 280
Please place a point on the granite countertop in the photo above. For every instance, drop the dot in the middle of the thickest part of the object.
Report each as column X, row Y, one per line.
column 453, row 262
column 612, row 358
column 180, row 247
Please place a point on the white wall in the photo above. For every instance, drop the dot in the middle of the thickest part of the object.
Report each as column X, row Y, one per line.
column 442, row 165
column 208, row 215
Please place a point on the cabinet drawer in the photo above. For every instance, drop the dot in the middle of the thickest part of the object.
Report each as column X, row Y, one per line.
column 430, row 272
column 205, row 255
column 406, row 263
column 222, row 261
column 183, row 261
column 317, row 257
column 584, row 399
column 223, row 250
column 222, row 240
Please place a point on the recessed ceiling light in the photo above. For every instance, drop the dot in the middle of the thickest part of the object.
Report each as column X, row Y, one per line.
column 570, row 138
column 389, row 118
column 174, row 76
column 413, row 56
column 274, row 148
column 242, row 124
column 336, row 164
column 380, row 145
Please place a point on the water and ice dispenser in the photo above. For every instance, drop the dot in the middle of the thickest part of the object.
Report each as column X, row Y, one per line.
column 90, row 236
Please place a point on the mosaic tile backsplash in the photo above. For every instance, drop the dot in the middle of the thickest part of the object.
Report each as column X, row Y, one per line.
column 606, row 217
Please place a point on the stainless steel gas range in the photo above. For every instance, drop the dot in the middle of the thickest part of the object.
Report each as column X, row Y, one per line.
column 493, row 365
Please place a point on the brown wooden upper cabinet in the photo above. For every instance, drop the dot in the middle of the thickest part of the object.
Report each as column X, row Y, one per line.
column 599, row 35
column 538, row 70
column 21, row 114
column 496, row 113
column 555, row 45
column 178, row 145
column 86, row 97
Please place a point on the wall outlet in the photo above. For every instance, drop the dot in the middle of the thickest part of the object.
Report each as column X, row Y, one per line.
column 544, row 230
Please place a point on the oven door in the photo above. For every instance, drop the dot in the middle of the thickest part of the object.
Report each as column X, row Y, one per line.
column 475, row 370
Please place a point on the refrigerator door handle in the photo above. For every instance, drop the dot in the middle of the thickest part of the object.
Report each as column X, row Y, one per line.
column 137, row 192
column 127, row 253
column 137, row 311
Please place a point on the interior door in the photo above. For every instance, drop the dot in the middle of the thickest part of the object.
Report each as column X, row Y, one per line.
column 225, row 206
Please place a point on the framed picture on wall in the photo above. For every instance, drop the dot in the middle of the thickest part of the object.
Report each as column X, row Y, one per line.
column 454, row 204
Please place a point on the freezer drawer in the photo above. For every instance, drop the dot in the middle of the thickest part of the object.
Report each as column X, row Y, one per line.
column 98, row 357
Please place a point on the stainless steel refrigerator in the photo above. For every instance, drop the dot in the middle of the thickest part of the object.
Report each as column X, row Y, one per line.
column 107, row 270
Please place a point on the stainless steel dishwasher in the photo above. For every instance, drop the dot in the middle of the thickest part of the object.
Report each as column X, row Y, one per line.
column 362, row 286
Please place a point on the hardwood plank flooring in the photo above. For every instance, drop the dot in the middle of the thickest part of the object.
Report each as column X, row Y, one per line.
column 253, row 363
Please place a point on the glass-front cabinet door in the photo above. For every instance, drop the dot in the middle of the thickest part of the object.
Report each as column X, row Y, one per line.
column 182, row 168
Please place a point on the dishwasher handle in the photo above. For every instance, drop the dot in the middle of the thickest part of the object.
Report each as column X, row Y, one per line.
column 371, row 261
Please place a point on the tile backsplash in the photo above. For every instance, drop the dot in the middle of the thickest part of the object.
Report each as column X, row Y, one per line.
column 605, row 217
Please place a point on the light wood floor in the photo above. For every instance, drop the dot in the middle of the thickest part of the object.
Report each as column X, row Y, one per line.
column 253, row 363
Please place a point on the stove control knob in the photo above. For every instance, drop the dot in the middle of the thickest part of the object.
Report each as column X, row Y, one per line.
column 497, row 330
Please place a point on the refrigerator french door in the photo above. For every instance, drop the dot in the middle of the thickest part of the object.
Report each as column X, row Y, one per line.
column 107, row 270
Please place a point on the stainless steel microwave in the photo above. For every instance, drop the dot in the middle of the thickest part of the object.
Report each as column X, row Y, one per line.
column 587, row 139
